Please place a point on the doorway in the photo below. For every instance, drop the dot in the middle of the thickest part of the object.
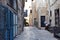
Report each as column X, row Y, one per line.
column 42, row 21
column 57, row 17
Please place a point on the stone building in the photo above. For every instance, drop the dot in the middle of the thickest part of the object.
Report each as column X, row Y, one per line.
column 16, row 7
column 44, row 10
column 39, row 12
column 27, row 7
column 30, row 18
column 21, row 15
column 55, row 7
column 33, row 14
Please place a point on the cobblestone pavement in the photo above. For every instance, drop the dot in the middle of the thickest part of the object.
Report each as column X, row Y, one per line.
column 32, row 33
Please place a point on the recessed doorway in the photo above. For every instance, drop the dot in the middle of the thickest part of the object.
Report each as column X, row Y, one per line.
column 42, row 21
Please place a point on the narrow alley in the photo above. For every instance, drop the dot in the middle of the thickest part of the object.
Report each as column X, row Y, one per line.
column 32, row 33
column 29, row 19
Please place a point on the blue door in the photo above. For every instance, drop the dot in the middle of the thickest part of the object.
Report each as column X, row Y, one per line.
column 2, row 23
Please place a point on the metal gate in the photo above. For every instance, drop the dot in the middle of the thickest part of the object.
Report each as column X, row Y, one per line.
column 6, row 24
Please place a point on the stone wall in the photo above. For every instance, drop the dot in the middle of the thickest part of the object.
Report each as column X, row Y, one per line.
column 55, row 6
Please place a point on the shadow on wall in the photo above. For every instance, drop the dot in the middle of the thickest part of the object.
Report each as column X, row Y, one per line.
column 26, row 23
column 35, row 22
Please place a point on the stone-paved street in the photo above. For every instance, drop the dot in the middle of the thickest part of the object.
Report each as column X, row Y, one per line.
column 32, row 33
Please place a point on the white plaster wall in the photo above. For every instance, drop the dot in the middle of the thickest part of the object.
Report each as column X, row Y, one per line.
column 55, row 6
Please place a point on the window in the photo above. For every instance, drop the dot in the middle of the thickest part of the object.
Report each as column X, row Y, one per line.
column 25, row 13
column 34, row 18
column 30, row 11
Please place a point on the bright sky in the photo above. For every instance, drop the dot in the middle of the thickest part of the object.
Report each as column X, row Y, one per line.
column 27, row 4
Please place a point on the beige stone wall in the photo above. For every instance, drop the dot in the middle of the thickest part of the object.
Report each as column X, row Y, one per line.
column 34, row 12
column 30, row 19
column 39, row 11
column 43, row 12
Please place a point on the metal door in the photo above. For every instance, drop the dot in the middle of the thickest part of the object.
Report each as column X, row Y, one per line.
column 42, row 21
column 6, row 23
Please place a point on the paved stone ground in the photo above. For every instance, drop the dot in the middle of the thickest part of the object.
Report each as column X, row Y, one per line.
column 32, row 33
